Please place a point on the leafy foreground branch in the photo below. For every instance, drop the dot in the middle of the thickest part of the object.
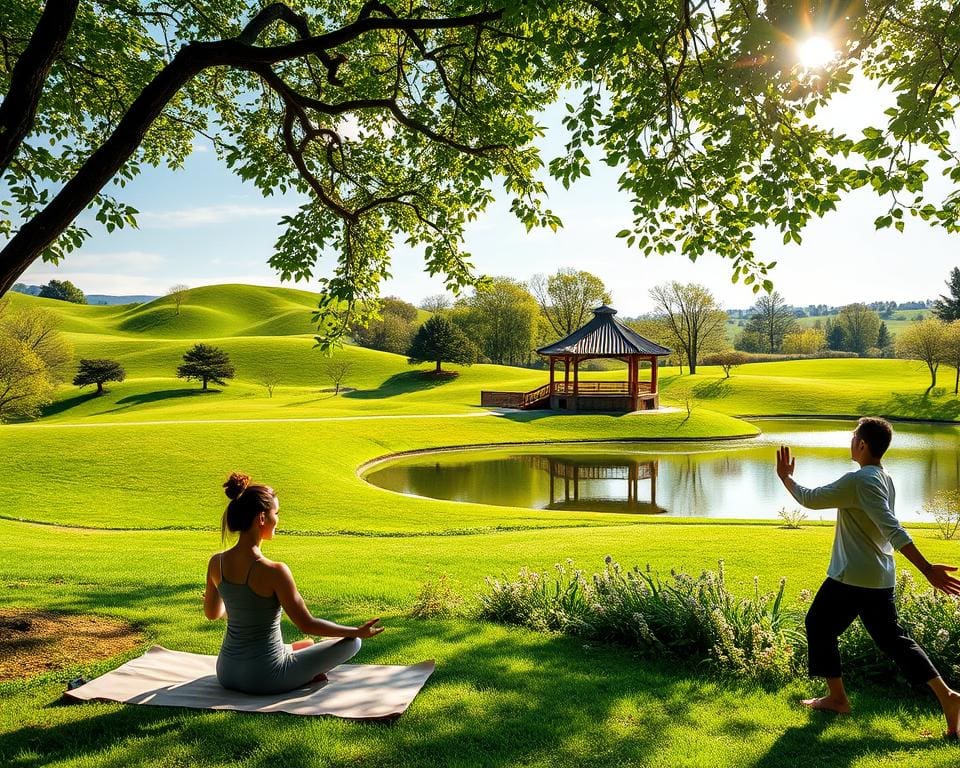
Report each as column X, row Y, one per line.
column 698, row 621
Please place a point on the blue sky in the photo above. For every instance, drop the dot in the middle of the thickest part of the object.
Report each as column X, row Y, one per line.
column 202, row 226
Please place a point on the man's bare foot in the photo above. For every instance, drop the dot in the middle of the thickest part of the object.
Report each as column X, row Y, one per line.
column 321, row 678
column 951, row 710
column 299, row 645
column 829, row 704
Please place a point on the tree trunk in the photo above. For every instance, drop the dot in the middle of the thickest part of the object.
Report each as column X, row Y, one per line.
column 204, row 383
column 933, row 376
column 99, row 387
column 956, row 383
column 438, row 367
column 19, row 107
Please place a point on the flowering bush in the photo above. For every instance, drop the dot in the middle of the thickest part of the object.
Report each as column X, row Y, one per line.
column 698, row 620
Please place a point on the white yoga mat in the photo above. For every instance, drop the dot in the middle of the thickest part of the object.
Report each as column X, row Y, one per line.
column 166, row 678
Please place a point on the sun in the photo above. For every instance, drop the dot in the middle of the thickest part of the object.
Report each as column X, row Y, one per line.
column 815, row 52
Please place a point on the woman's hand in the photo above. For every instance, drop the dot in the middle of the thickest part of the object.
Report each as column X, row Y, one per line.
column 368, row 629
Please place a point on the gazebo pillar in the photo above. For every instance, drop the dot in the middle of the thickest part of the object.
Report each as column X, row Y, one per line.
column 553, row 361
column 634, row 382
column 654, row 370
column 576, row 382
column 566, row 375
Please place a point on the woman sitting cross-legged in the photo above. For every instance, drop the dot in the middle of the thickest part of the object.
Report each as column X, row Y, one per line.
column 251, row 590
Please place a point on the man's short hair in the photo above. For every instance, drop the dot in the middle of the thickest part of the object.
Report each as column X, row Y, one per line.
column 876, row 433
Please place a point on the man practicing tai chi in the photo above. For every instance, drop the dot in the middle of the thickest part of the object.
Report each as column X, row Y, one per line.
column 862, row 573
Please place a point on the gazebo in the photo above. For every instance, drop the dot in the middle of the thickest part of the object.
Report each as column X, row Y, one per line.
column 603, row 337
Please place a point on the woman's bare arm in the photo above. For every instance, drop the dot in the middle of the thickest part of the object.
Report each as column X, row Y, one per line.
column 294, row 606
column 212, row 604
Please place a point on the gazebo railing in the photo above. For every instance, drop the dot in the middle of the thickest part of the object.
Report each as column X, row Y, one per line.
column 599, row 387
column 528, row 398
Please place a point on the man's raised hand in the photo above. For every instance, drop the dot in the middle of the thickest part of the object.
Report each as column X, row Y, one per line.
column 369, row 629
column 785, row 464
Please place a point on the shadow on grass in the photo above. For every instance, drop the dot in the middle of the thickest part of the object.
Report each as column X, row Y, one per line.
column 66, row 404
column 712, row 390
column 499, row 697
column 401, row 384
column 163, row 394
column 917, row 406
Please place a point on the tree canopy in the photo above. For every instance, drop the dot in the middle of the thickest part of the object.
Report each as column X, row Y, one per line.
column 395, row 121
column 206, row 363
column 98, row 371
column 947, row 307
column 439, row 341
column 62, row 290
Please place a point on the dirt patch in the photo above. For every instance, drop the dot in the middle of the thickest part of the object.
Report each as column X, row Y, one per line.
column 34, row 642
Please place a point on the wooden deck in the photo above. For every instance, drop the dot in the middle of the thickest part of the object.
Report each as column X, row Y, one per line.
column 591, row 396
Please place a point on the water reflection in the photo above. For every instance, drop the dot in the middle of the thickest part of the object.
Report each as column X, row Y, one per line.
column 679, row 479
column 599, row 484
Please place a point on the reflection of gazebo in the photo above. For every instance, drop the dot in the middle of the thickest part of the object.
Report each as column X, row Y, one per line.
column 571, row 472
column 603, row 337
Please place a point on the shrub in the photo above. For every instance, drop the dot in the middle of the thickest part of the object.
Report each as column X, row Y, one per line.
column 792, row 518
column 436, row 598
column 682, row 618
column 945, row 509
column 698, row 621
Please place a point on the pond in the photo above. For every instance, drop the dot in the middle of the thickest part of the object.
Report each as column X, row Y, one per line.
column 734, row 479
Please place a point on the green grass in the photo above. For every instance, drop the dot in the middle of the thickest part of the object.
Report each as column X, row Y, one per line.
column 127, row 486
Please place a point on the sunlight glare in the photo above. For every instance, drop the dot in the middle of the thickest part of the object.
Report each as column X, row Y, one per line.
column 815, row 52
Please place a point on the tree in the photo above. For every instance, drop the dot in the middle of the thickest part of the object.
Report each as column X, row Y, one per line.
column 392, row 331
column 861, row 326
column 500, row 318
column 24, row 385
column 884, row 339
column 836, row 340
column 947, row 308
column 772, row 319
column 33, row 358
column 178, row 293
column 924, row 341
column 804, row 341
column 439, row 302
column 63, row 290
column 567, row 298
column 38, row 331
column 702, row 104
column 439, row 340
column 695, row 319
column 205, row 363
column 98, row 371
column 749, row 341
column 950, row 353
column 269, row 378
column 336, row 369
column 728, row 359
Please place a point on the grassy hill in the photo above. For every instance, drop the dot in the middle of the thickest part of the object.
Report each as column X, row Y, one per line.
column 112, row 506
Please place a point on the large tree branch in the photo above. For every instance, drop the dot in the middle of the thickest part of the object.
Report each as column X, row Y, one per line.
column 19, row 107
column 44, row 228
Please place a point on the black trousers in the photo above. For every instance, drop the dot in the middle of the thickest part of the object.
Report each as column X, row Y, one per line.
column 834, row 609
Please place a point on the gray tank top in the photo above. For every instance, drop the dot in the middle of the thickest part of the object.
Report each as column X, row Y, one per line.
column 253, row 652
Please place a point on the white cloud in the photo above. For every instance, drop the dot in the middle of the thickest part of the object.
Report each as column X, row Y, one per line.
column 133, row 260
column 209, row 215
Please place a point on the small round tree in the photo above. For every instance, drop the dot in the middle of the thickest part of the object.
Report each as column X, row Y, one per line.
column 439, row 340
column 98, row 371
column 63, row 290
column 205, row 363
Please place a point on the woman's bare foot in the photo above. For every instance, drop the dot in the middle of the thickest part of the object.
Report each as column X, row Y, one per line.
column 829, row 704
column 321, row 678
column 951, row 710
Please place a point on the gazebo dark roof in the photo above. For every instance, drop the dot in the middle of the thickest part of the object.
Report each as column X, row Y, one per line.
column 604, row 336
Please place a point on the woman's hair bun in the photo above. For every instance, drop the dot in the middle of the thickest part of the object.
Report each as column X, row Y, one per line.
column 236, row 484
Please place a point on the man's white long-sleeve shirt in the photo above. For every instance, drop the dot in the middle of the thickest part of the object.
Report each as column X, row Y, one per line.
column 867, row 532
